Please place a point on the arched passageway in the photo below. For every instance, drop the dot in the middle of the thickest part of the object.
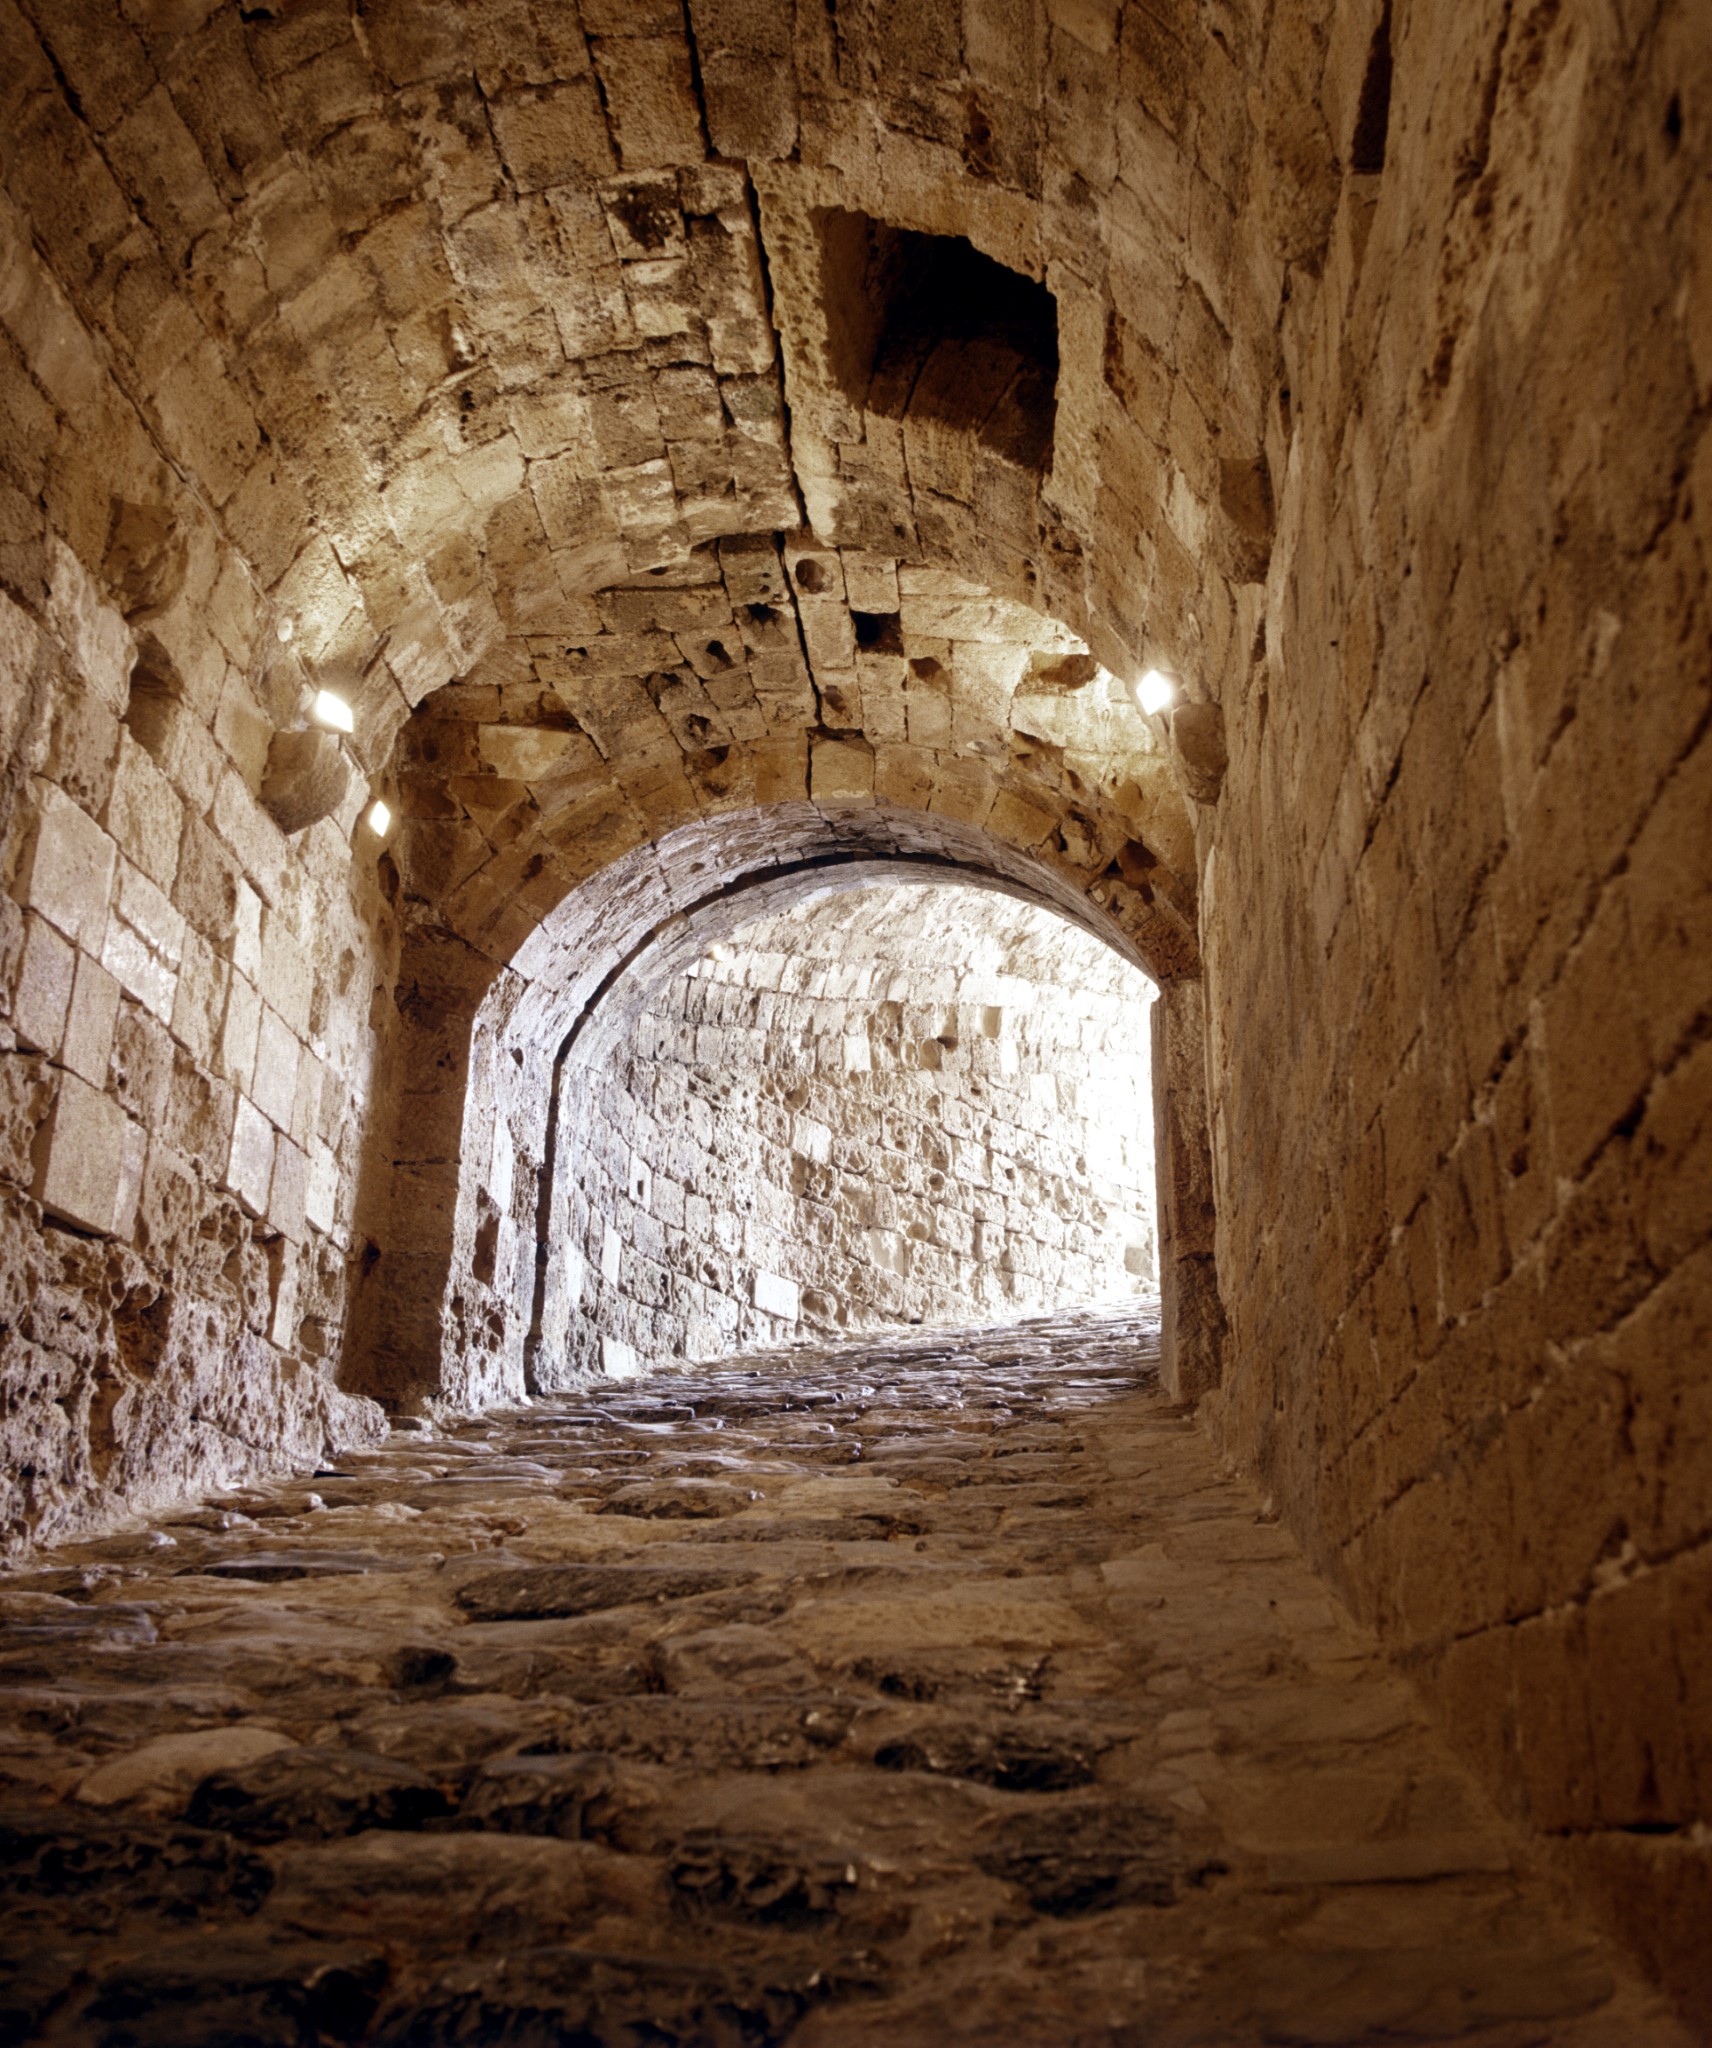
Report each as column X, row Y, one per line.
column 453, row 456
column 471, row 1293
column 885, row 1098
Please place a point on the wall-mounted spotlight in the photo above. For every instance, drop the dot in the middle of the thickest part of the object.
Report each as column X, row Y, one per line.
column 332, row 712
column 1155, row 692
column 380, row 818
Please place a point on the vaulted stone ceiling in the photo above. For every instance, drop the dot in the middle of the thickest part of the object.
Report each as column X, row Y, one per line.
column 464, row 325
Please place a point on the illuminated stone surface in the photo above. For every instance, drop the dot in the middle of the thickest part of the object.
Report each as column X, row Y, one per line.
column 704, row 442
column 932, row 1689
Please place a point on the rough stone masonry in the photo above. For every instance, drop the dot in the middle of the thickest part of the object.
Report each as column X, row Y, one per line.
column 706, row 450
column 930, row 1690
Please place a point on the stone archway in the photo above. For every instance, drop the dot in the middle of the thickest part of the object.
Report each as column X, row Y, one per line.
column 443, row 1310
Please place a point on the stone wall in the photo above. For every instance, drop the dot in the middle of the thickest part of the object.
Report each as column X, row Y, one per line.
column 1379, row 416
column 1455, row 908
column 184, row 990
column 887, row 1106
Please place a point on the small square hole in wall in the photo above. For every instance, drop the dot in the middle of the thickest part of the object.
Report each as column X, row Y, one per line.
column 929, row 326
column 879, row 632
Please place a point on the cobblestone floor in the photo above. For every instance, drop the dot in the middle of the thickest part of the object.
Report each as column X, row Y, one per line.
column 932, row 1691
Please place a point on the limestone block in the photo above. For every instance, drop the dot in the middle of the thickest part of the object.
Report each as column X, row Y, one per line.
column 88, row 1045
column 618, row 1360
column 93, row 633
column 80, row 1158
column 313, row 1087
column 320, row 1205
column 145, row 814
column 133, row 1168
column 144, row 943
column 206, row 887
column 239, row 1031
column 307, row 779
column 246, row 934
column 288, row 1190
column 250, row 833
column 41, row 998
column 249, row 1162
column 285, row 1274
column 83, row 746
column 552, row 137
column 201, row 1000
column 287, row 978
column 68, row 874
column 20, row 647
column 842, row 771
column 648, row 85
column 774, row 1295
column 751, row 106
column 278, row 1053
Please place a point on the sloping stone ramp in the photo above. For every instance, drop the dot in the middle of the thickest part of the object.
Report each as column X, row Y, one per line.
column 933, row 1691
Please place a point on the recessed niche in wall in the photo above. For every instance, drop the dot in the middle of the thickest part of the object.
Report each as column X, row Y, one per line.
column 929, row 326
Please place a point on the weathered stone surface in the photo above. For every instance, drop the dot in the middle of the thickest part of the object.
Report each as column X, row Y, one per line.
column 307, row 779
column 753, row 408
column 80, row 1158
column 1006, row 1760
column 884, row 1106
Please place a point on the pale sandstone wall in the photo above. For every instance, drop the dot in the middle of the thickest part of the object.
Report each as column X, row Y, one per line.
column 184, row 991
column 1455, row 905
column 759, row 1164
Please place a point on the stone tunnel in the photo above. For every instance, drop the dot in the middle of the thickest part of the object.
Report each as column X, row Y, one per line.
column 855, row 968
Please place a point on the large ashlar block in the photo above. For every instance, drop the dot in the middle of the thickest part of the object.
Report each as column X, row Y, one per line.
column 68, row 876
column 92, row 632
column 239, row 1032
column 249, row 1164
column 288, row 1193
column 81, row 1158
column 278, row 1055
column 287, row 978
column 88, row 1044
column 321, row 1202
column 774, row 1295
column 42, row 997
column 144, row 943
column 145, row 814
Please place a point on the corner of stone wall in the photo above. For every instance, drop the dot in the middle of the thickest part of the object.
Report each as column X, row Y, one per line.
column 1192, row 1314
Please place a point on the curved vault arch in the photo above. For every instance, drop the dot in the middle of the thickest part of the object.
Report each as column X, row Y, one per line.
column 448, row 1291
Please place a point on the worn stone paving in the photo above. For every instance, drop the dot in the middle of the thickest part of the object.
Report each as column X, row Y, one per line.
column 939, row 1690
